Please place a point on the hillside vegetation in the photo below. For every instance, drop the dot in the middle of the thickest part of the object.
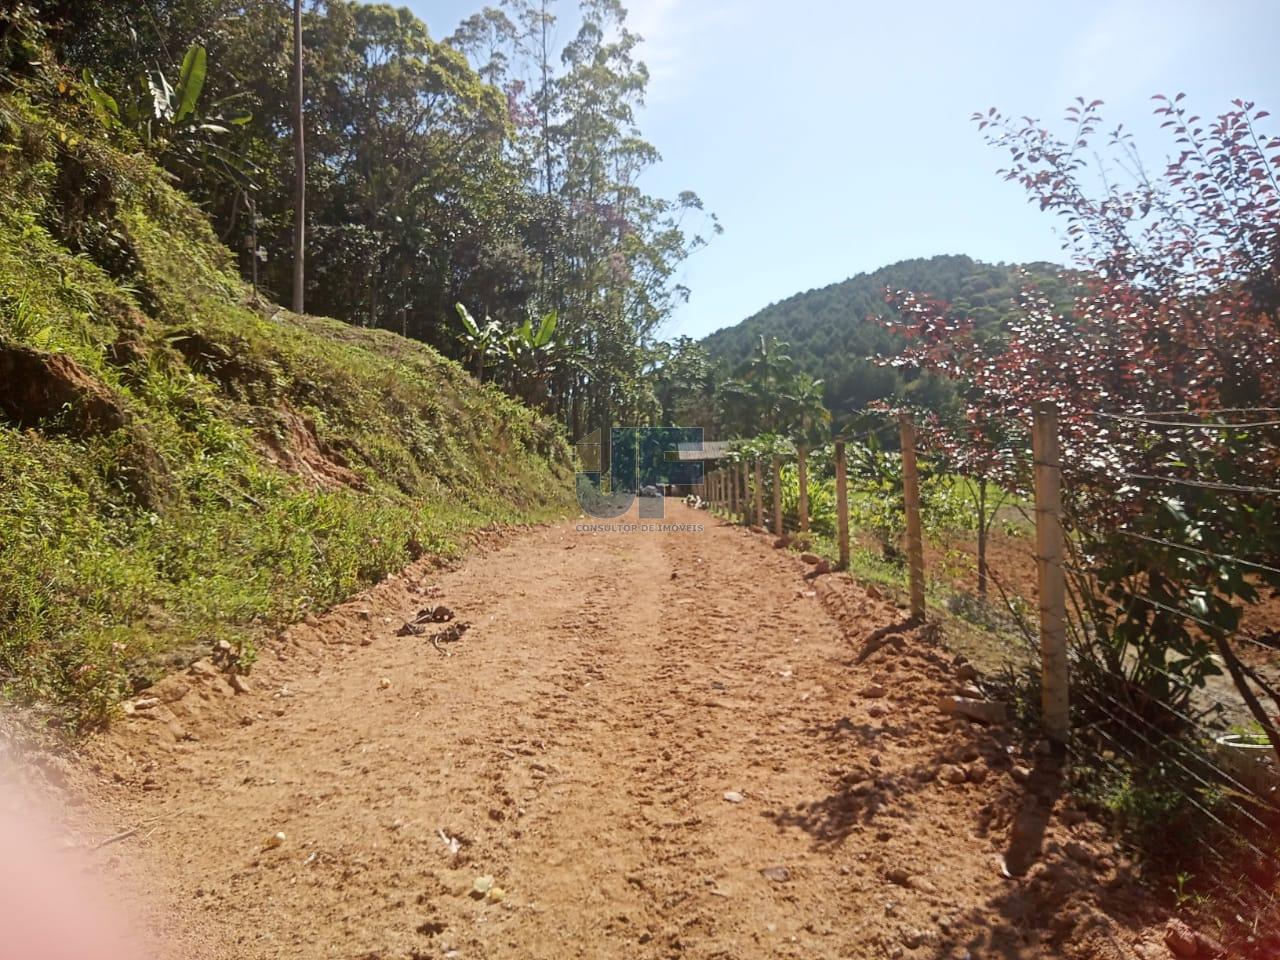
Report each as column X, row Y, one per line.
column 182, row 464
column 832, row 331
column 500, row 163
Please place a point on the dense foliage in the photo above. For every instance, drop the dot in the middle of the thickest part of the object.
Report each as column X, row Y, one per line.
column 1166, row 377
column 182, row 463
column 483, row 166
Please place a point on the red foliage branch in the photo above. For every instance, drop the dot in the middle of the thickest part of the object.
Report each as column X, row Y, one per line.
column 1180, row 275
column 1178, row 310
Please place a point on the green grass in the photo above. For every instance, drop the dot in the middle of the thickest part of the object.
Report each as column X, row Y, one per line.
column 986, row 633
column 125, row 550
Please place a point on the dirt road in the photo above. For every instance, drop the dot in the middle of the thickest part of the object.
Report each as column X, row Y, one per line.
column 655, row 744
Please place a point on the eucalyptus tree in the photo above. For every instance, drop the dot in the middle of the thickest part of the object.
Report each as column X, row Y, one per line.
column 418, row 198
column 607, row 250
column 500, row 168
column 683, row 377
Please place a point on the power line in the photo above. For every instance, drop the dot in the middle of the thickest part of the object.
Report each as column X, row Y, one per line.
column 1210, row 411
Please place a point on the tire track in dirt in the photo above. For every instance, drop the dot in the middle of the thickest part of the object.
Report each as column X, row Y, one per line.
column 657, row 744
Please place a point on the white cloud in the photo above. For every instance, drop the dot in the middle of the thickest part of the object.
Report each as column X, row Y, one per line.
column 675, row 36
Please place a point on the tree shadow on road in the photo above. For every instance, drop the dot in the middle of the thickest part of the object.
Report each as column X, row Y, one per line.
column 854, row 804
column 863, row 792
column 1054, row 902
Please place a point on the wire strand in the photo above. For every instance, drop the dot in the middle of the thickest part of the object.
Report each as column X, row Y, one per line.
column 866, row 435
column 1204, row 553
column 1204, row 484
column 1184, row 685
column 1096, row 757
column 1179, row 611
column 1188, row 425
column 1197, row 777
column 1125, row 751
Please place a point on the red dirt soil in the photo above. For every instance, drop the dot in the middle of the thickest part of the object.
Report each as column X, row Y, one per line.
column 657, row 744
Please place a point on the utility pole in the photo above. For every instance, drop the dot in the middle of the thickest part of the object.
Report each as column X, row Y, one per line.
column 299, row 169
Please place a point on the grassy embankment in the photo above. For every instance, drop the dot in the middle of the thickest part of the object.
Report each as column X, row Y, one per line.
column 180, row 464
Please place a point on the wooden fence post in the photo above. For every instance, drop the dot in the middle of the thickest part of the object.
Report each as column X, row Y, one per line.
column 911, row 502
column 731, row 475
column 1050, row 577
column 777, row 495
column 842, row 505
column 802, row 470
column 743, row 493
column 759, row 494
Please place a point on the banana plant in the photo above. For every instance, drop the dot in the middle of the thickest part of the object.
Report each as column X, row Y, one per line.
column 480, row 342
column 535, row 353
column 525, row 339
column 524, row 357
column 166, row 117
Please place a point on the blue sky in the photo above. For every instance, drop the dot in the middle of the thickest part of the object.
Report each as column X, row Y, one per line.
column 833, row 136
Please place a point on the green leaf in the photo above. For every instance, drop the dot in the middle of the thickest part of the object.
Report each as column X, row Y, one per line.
column 467, row 320
column 546, row 330
column 195, row 66
column 161, row 97
column 101, row 99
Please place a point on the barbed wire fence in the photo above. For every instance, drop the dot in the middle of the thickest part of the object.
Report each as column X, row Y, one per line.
column 1163, row 719
column 1174, row 696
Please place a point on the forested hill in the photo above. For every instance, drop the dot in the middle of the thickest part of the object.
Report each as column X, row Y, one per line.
column 832, row 330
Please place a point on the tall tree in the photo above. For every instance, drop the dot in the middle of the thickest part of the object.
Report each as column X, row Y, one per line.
column 299, row 169
column 499, row 168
